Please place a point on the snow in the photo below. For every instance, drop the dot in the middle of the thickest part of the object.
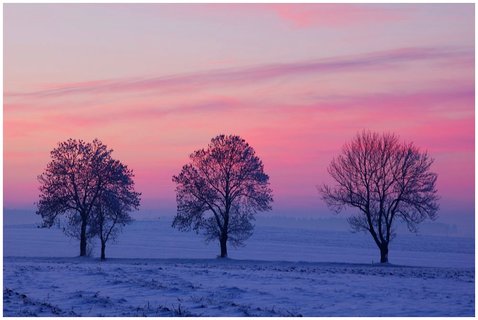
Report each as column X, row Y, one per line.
column 215, row 287
column 285, row 269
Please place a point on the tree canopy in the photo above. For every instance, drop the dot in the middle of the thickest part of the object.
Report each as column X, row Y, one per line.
column 220, row 190
column 385, row 180
column 76, row 179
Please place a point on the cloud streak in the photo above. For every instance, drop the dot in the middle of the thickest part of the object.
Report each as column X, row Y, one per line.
column 301, row 15
column 244, row 76
column 334, row 15
column 368, row 108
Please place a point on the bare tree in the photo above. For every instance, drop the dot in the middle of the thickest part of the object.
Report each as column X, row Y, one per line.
column 113, row 207
column 73, row 181
column 221, row 190
column 385, row 180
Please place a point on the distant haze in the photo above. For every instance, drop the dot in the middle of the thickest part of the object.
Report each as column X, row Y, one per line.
column 156, row 82
column 318, row 223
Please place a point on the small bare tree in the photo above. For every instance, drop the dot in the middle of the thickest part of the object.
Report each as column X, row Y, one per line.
column 385, row 180
column 113, row 206
column 221, row 190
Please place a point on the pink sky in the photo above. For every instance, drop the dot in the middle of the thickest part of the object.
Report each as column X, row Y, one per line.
column 156, row 82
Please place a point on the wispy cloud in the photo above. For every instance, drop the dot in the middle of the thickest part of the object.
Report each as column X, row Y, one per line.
column 334, row 15
column 367, row 109
column 247, row 75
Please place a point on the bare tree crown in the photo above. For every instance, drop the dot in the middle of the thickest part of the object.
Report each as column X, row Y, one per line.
column 385, row 180
column 71, row 180
column 77, row 180
column 221, row 189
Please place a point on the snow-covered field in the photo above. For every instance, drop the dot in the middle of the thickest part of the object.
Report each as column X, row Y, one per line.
column 151, row 287
column 286, row 269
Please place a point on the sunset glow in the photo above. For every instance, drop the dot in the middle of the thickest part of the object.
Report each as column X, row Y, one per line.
column 156, row 82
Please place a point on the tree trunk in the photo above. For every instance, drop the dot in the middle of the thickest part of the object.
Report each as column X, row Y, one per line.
column 103, row 249
column 384, row 253
column 223, row 241
column 83, row 238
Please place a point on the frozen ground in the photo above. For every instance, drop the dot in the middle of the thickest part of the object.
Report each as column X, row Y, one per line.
column 287, row 268
column 180, row 287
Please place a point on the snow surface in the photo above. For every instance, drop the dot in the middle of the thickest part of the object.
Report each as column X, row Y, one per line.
column 286, row 269
column 217, row 287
